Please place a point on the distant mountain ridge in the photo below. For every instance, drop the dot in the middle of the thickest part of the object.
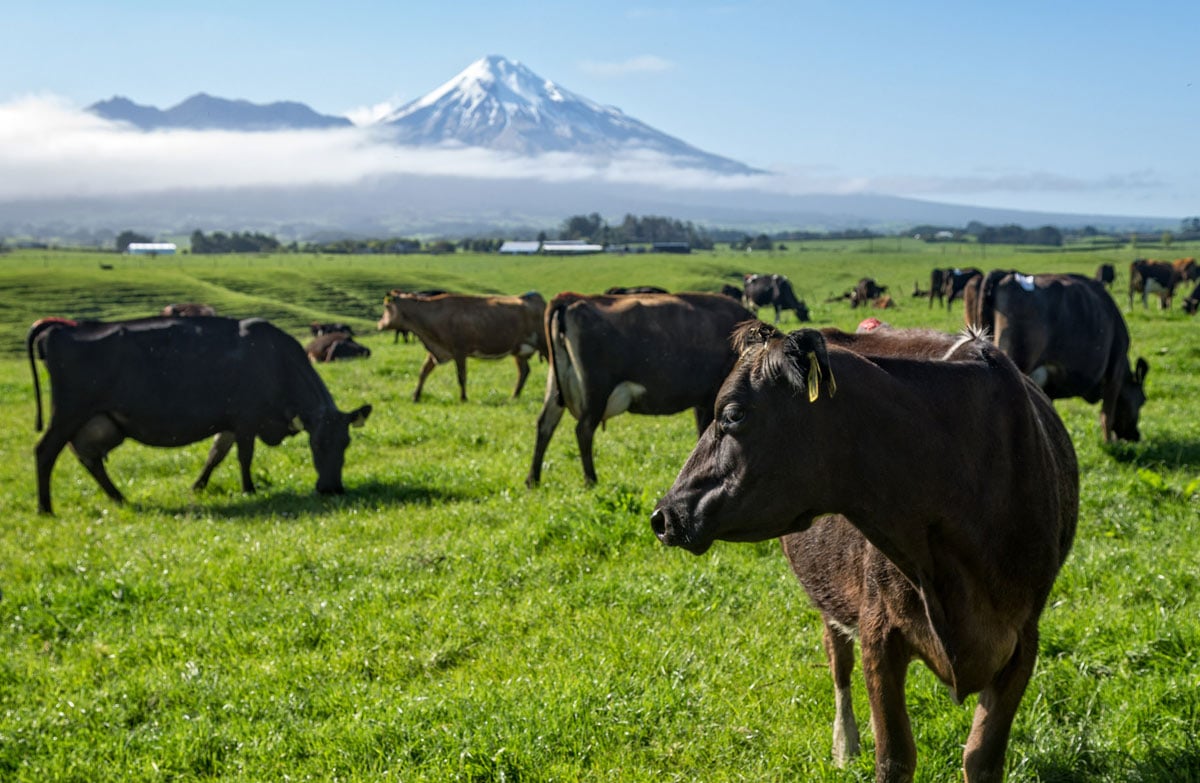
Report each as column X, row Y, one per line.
column 206, row 112
column 495, row 103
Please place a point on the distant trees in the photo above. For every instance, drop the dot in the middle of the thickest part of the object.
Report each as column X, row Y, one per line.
column 635, row 230
column 1013, row 234
column 127, row 238
column 220, row 242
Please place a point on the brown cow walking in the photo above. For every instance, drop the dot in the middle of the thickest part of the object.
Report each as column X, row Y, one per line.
column 652, row 354
column 455, row 326
column 946, row 533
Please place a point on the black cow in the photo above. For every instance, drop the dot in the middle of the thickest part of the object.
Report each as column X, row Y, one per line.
column 937, row 281
column 1067, row 334
column 955, row 283
column 318, row 328
column 174, row 381
column 1192, row 303
column 617, row 290
column 732, row 291
column 652, row 354
column 866, row 290
column 1106, row 275
column 773, row 290
column 1147, row 276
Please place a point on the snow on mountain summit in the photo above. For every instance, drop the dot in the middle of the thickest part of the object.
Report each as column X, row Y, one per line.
column 501, row 104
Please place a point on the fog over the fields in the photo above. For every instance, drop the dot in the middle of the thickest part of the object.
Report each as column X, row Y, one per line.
column 49, row 149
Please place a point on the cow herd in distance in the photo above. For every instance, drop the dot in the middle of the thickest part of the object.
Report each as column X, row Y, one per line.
column 615, row 353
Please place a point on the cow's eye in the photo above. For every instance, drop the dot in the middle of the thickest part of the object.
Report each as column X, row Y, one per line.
column 732, row 416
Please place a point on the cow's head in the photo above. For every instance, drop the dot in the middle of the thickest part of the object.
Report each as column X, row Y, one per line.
column 1129, row 404
column 328, row 437
column 726, row 488
column 393, row 317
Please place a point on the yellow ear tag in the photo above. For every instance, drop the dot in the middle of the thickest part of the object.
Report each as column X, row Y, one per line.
column 814, row 377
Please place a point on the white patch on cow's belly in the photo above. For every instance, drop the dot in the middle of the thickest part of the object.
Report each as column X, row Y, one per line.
column 1154, row 287
column 526, row 350
column 621, row 398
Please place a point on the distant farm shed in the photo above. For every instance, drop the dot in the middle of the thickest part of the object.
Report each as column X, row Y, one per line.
column 570, row 247
column 151, row 249
column 517, row 247
column 671, row 247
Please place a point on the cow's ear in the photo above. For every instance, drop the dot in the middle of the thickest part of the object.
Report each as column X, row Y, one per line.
column 808, row 351
column 1142, row 369
column 359, row 416
column 749, row 334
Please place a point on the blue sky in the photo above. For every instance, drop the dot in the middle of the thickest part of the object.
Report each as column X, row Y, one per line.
column 1062, row 106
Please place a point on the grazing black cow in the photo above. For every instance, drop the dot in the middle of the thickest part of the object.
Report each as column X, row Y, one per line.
column 937, row 281
column 637, row 289
column 956, row 282
column 333, row 346
column 642, row 353
column 1147, row 276
column 1106, row 275
column 174, row 381
column 1067, row 334
column 732, row 291
column 773, row 290
column 938, row 540
column 1192, row 303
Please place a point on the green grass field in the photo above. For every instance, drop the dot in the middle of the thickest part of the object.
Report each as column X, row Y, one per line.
column 442, row 623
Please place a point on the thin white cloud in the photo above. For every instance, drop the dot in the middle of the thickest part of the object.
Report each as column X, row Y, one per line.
column 51, row 150
column 645, row 63
column 368, row 115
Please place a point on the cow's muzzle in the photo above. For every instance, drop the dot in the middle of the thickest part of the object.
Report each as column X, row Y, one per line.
column 671, row 529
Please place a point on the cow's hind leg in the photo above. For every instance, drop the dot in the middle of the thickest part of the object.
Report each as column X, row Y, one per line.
column 839, row 649
column 460, row 366
column 91, row 444
column 983, row 759
column 547, row 422
column 46, row 454
column 585, row 431
column 221, row 445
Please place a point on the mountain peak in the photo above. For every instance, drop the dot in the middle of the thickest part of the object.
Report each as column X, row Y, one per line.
column 501, row 104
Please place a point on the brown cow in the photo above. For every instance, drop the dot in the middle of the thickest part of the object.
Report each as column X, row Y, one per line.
column 1147, row 276
column 424, row 292
column 908, row 523
column 1186, row 268
column 333, row 346
column 1068, row 335
column 866, row 290
column 643, row 353
column 455, row 326
column 937, row 282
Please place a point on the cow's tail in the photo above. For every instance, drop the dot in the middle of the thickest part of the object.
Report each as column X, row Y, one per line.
column 35, row 332
column 556, row 328
column 986, row 318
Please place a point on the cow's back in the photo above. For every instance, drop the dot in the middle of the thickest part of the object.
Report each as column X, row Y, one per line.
column 1067, row 323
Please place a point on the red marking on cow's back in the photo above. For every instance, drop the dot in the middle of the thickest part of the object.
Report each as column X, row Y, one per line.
column 54, row 320
column 868, row 325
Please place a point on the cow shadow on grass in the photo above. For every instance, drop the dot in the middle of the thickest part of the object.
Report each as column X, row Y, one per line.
column 1165, row 766
column 299, row 502
column 1168, row 452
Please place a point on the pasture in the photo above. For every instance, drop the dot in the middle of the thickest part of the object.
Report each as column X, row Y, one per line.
column 440, row 622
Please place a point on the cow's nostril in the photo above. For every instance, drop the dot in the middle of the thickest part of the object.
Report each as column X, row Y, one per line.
column 658, row 523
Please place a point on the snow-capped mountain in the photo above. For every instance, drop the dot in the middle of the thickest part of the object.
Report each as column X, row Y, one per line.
column 499, row 103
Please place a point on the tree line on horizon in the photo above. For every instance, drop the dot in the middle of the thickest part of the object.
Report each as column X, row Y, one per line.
column 650, row 229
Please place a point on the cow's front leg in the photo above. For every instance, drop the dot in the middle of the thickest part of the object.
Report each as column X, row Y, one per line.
column 839, row 649
column 426, row 368
column 983, row 759
column 222, row 443
column 460, row 366
column 885, row 657
column 245, row 448
column 91, row 443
